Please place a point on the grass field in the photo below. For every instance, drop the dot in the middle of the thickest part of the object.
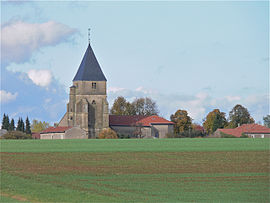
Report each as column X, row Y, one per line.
column 160, row 170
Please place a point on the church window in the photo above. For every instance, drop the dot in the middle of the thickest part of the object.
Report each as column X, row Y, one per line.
column 94, row 85
column 93, row 102
column 70, row 117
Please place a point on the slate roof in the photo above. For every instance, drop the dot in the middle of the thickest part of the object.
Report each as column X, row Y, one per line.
column 246, row 128
column 132, row 120
column 89, row 69
column 56, row 129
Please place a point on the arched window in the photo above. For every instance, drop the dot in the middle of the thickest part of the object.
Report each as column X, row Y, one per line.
column 93, row 102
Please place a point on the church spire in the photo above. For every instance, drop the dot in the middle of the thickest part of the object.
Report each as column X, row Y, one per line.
column 89, row 69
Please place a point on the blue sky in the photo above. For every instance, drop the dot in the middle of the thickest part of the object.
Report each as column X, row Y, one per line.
column 196, row 56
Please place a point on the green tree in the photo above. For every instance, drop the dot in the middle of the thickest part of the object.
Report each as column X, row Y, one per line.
column 12, row 125
column 145, row 106
column 20, row 125
column 183, row 123
column 140, row 106
column 27, row 126
column 239, row 115
column 214, row 120
column 266, row 121
column 18, row 128
column 38, row 126
column 5, row 122
column 122, row 107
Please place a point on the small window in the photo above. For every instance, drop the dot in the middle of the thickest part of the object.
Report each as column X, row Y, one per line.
column 94, row 85
column 71, row 118
column 93, row 102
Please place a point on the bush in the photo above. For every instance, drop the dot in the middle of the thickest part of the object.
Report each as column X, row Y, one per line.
column 16, row 135
column 224, row 135
column 244, row 136
column 123, row 136
column 185, row 134
column 107, row 133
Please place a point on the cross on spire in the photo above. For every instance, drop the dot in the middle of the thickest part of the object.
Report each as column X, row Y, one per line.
column 89, row 35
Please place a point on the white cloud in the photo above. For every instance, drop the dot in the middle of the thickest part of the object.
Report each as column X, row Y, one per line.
column 233, row 98
column 6, row 97
column 41, row 78
column 198, row 105
column 20, row 39
column 115, row 89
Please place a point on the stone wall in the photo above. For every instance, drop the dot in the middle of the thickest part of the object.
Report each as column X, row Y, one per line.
column 75, row 133
column 52, row 136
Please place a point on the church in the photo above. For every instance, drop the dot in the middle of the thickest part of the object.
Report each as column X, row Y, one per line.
column 88, row 109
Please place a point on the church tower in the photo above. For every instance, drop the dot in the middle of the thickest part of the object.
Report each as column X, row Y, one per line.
column 88, row 106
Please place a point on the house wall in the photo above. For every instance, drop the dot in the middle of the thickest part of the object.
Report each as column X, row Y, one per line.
column 161, row 131
column 258, row 135
column 75, row 133
column 52, row 136
column 129, row 130
column 124, row 130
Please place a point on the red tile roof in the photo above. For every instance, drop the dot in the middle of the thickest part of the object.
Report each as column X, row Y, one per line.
column 56, row 129
column 246, row 128
column 132, row 120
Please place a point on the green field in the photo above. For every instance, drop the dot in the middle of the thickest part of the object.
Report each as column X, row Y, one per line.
column 159, row 170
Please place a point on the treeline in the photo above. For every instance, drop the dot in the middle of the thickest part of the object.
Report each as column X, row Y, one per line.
column 21, row 126
column 141, row 106
column 20, row 131
column 184, row 126
column 23, row 130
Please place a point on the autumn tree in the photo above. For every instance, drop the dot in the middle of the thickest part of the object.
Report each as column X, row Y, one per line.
column 38, row 126
column 266, row 121
column 182, row 121
column 239, row 115
column 107, row 133
column 214, row 120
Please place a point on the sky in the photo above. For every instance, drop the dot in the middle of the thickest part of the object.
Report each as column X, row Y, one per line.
column 191, row 55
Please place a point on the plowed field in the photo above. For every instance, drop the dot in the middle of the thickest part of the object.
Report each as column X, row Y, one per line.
column 216, row 170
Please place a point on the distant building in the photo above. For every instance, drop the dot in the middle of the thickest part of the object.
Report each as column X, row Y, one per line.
column 88, row 112
column 144, row 126
column 251, row 130
column 67, row 132
column 88, row 106
column 36, row 135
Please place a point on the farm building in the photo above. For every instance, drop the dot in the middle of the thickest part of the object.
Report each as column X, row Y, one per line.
column 67, row 132
column 144, row 126
column 141, row 126
column 251, row 130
